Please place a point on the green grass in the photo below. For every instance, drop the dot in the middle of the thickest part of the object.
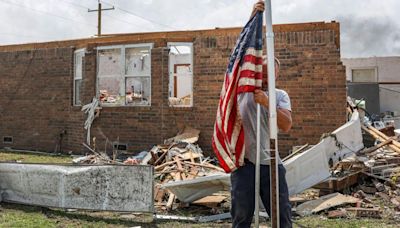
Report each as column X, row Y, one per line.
column 320, row 222
column 13, row 215
column 33, row 158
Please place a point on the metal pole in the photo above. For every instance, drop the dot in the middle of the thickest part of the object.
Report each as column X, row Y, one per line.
column 257, row 179
column 99, row 20
column 99, row 9
column 272, row 117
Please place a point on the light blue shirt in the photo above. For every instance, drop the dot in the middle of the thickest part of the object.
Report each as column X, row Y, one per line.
column 248, row 112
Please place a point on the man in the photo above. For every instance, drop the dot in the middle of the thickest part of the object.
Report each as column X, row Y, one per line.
column 242, row 180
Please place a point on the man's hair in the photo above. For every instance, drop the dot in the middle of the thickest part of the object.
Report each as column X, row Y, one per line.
column 265, row 61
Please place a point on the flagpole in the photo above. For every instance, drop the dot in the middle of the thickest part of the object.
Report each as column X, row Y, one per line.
column 257, row 178
column 273, row 128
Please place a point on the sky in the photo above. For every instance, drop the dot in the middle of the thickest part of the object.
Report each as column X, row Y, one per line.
column 368, row 27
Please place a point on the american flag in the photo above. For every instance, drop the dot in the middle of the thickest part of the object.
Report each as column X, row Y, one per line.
column 244, row 74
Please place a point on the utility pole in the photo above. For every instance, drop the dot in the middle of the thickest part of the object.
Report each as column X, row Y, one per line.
column 99, row 9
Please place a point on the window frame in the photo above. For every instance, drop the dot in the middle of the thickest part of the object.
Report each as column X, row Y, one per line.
column 169, row 44
column 122, row 72
column 375, row 69
column 76, row 52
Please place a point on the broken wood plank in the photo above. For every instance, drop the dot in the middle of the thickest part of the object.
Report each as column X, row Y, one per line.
column 335, row 184
column 383, row 195
column 159, row 167
column 372, row 149
column 191, row 156
column 161, row 158
column 210, row 201
column 387, row 181
column 193, row 172
column 379, row 137
column 170, row 201
column 377, row 134
column 337, row 214
column 383, row 135
column 294, row 200
column 205, row 166
column 159, row 194
column 325, row 202
column 178, row 163
column 365, row 212
column 295, row 152
column 154, row 157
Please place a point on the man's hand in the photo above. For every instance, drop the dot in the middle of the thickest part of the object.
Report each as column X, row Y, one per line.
column 261, row 98
column 259, row 6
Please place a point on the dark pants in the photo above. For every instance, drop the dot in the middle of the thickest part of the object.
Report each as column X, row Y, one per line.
column 243, row 191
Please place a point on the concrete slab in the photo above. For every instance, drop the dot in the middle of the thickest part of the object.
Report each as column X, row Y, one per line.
column 102, row 187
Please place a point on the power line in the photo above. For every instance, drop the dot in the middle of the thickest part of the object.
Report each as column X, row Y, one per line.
column 20, row 35
column 136, row 15
column 391, row 90
column 115, row 18
column 45, row 12
column 74, row 4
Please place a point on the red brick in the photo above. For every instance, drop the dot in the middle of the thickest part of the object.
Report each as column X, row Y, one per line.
column 36, row 82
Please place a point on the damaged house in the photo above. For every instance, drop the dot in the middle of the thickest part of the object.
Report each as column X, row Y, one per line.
column 151, row 85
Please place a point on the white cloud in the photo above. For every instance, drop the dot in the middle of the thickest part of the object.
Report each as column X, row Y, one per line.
column 368, row 27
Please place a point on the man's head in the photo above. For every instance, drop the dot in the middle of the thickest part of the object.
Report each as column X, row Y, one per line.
column 265, row 70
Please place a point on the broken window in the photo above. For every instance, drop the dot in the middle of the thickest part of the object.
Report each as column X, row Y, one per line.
column 78, row 72
column 180, row 74
column 364, row 75
column 124, row 75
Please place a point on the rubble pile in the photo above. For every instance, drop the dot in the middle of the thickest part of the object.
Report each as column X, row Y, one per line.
column 363, row 182
column 179, row 158
column 370, row 180
column 96, row 158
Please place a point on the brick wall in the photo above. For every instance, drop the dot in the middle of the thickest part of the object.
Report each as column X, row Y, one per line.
column 37, row 89
column 36, row 97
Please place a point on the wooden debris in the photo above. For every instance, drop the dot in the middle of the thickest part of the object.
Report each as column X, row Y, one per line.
column 170, row 201
column 179, row 159
column 374, row 148
column 210, row 201
column 324, row 203
column 206, row 165
column 365, row 212
column 379, row 186
column 394, row 145
column 295, row 200
column 367, row 189
column 297, row 151
column 377, row 180
column 383, row 195
column 337, row 214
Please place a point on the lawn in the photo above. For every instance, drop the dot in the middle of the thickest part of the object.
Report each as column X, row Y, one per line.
column 13, row 215
column 33, row 158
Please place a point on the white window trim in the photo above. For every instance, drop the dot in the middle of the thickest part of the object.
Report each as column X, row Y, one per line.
column 78, row 51
column 169, row 44
column 122, row 71
column 365, row 68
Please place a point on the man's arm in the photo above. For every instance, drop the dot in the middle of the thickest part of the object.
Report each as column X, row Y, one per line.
column 284, row 119
column 284, row 115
